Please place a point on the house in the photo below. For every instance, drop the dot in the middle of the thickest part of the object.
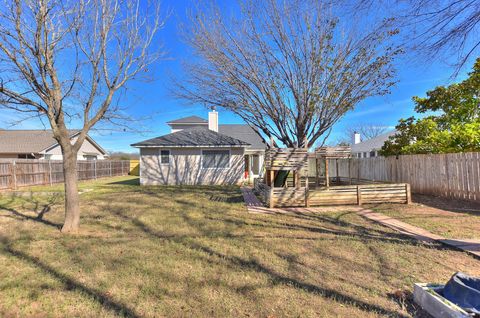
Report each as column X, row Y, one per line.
column 200, row 151
column 40, row 144
column 369, row 148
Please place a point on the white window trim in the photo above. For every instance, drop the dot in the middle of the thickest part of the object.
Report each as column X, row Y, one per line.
column 169, row 157
column 216, row 168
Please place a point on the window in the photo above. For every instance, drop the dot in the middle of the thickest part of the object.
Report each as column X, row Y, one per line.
column 164, row 157
column 26, row 156
column 47, row 157
column 372, row 153
column 90, row 157
column 215, row 159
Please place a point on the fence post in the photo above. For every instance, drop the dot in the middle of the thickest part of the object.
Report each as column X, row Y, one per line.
column 95, row 169
column 359, row 195
column 350, row 171
column 14, row 175
column 110, row 168
column 50, row 171
column 409, row 194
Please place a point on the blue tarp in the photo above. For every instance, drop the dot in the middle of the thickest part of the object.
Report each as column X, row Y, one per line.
column 464, row 291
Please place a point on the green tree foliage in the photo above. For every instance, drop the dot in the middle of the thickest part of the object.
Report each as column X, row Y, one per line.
column 454, row 125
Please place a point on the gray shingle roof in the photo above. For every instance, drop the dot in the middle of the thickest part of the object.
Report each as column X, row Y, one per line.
column 27, row 141
column 372, row 144
column 189, row 120
column 194, row 137
column 243, row 132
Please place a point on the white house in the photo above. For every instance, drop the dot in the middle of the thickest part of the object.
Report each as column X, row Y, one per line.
column 200, row 151
column 40, row 144
column 369, row 148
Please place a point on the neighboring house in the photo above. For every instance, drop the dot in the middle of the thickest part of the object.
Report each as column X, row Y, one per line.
column 40, row 144
column 199, row 151
column 369, row 148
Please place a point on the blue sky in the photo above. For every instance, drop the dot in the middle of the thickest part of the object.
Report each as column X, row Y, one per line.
column 154, row 101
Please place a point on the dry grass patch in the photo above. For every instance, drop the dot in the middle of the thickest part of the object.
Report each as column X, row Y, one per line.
column 195, row 251
column 446, row 217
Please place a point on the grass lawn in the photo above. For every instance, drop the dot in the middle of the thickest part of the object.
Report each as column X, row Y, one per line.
column 449, row 218
column 196, row 252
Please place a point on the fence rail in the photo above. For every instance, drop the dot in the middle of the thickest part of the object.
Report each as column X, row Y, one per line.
column 448, row 175
column 27, row 172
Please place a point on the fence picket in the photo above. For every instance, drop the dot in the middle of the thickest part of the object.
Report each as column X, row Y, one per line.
column 448, row 175
column 26, row 172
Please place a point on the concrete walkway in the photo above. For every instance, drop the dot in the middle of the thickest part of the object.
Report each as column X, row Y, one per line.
column 470, row 246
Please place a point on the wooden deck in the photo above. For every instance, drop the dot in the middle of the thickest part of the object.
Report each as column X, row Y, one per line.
column 334, row 195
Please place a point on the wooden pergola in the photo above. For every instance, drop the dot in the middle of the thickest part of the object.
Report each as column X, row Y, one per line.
column 285, row 159
column 280, row 162
column 326, row 153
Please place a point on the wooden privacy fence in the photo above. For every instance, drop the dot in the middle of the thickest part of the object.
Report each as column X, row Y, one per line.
column 449, row 175
column 26, row 172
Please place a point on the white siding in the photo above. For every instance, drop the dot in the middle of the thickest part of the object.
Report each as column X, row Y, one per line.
column 185, row 167
column 87, row 147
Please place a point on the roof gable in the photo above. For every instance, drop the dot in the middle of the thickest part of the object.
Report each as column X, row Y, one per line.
column 27, row 141
column 33, row 141
column 189, row 120
column 194, row 137
column 375, row 143
column 243, row 132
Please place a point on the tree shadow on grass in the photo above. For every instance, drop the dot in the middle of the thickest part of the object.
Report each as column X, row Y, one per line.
column 249, row 264
column 130, row 182
column 277, row 278
column 39, row 208
column 69, row 283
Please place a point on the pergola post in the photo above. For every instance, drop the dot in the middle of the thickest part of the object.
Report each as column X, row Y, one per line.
column 327, row 178
column 337, row 180
column 272, row 183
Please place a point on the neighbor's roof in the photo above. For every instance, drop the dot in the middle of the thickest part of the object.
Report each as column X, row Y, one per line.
column 31, row 141
column 27, row 141
column 189, row 120
column 243, row 132
column 373, row 144
column 193, row 137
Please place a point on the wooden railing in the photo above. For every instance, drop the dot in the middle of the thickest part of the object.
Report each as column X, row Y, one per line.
column 346, row 194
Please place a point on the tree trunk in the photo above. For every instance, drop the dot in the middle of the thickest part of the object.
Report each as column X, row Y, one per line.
column 72, row 200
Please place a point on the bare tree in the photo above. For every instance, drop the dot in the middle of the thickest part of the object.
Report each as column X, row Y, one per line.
column 286, row 67
column 67, row 61
column 433, row 27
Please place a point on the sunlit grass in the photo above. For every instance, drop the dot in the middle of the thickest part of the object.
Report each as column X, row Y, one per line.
column 450, row 218
column 196, row 252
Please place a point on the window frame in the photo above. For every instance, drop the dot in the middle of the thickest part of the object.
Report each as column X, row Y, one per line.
column 216, row 168
column 90, row 157
column 169, row 155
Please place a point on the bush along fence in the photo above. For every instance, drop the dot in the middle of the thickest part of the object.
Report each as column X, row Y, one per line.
column 454, row 175
column 27, row 172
